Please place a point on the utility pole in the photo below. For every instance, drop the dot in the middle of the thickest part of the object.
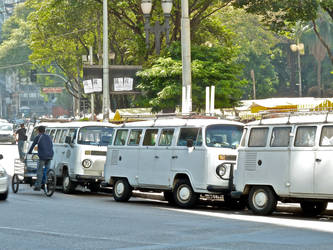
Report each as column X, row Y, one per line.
column 92, row 95
column 186, row 59
column 253, row 84
column 106, row 89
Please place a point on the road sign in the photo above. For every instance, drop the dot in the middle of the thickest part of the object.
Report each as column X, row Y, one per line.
column 48, row 90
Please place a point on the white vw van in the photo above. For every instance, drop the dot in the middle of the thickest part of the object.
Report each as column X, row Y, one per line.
column 288, row 159
column 184, row 158
column 79, row 152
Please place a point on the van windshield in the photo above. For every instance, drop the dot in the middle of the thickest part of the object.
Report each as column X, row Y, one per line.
column 95, row 135
column 223, row 136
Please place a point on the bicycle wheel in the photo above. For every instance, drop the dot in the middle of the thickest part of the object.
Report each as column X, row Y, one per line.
column 15, row 183
column 50, row 184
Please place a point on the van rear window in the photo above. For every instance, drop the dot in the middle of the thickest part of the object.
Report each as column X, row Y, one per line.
column 258, row 137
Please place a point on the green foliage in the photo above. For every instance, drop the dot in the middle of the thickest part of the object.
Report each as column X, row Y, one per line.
column 15, row 38
column 161, row 81
column 256, row 45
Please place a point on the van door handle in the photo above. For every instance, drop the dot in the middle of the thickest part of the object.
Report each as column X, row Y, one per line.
column 174, row 157
column 156, row 157
column 318, row 160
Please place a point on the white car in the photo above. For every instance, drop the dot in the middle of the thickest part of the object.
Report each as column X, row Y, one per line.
column 3, row 182
column 7, row 133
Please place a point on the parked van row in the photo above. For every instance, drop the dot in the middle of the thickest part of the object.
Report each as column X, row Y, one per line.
column 79, row 152
column 284, row 159
column 184, row 158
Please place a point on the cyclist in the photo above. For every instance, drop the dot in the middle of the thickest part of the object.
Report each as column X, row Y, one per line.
column 45, row 154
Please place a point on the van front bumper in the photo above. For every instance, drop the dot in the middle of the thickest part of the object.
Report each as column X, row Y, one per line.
column 89, row 178
column 218, row 189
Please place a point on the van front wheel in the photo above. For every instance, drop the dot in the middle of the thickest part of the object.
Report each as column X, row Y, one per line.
column 68, row 186
column 262, row 200
column 184, row 195
column 122, row 191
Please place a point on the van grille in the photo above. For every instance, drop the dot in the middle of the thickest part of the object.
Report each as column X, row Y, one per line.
column 250, row 161
column 114, row 157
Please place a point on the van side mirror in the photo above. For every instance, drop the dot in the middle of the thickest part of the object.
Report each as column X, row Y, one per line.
column 68, row 139
column 189, row 143
column 1, row 156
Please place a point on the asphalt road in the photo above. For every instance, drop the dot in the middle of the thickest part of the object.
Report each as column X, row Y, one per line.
column 30, row 220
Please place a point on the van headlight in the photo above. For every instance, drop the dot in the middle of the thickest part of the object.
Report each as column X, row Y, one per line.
column 86, row 163
column 221, row 170
column 3, row 172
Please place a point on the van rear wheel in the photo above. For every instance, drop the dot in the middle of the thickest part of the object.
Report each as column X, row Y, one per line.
column 184, row 195
column 122, row 191
column 262, row 200
column 313, row 208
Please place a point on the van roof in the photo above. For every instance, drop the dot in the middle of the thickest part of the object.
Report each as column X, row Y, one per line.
column 295, row 119
column 76, row 124
column 168, row 122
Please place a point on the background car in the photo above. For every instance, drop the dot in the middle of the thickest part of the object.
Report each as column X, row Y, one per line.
column 7, row 133
column 3, row 182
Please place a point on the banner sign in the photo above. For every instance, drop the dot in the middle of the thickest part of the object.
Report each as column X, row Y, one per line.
column 123, row 84
column 97, row 85
column 49, row 90
column 88, row 87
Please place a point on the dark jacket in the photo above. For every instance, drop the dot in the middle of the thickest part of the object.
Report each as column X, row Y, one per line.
column 21, row 134
column 45, row 146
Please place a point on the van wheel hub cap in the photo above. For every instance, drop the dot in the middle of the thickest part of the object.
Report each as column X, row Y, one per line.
column 260, row 199
column 120, row 188
column 184, row 193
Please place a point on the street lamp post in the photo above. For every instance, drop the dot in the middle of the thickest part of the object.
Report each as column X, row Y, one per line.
column 157, row 29
column 106, row 88
column 299, row 48
column 186, row 59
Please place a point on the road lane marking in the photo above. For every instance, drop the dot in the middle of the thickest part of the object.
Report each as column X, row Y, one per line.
column 295, row 223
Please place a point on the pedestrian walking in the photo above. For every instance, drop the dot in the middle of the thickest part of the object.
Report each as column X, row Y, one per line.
column 21, row 137
column 45, row 154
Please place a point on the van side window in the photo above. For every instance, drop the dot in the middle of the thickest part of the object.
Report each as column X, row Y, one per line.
column 150, row 137
column 121, row 137
column 63, row 136
column 280, row 137
column 72, row 134
column 305, row 136
column 258, row 137
column 57, row 136
column 52, row 134
column 188, row 134
column 326, row 137
column 134, row 137
column 198, row 142
column 47, row 131
column 166, row 137
column 244, row 137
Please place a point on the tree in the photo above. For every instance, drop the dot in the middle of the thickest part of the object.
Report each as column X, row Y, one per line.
column 281, row 15
column 14, row 48
column 257, row 48
column 161, row 81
